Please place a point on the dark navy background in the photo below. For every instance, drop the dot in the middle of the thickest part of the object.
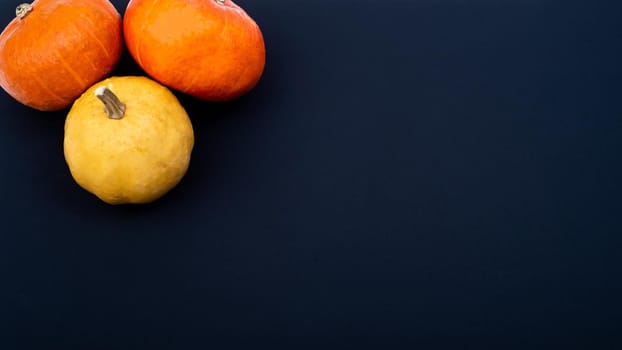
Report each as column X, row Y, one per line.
column 443, row 170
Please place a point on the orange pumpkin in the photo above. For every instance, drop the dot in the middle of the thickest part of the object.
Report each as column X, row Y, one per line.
column 55, row 49
column 210, row 49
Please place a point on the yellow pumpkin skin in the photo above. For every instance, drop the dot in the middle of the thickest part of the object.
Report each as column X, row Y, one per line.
column 135, row 159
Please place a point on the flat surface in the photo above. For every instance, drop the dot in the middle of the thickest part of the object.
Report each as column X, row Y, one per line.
column 434, row 169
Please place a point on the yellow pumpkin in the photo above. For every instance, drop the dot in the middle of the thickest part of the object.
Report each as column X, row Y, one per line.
column 128, row 140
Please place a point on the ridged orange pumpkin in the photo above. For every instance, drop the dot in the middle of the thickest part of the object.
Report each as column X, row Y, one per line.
column 55, row 49
column 210, row 49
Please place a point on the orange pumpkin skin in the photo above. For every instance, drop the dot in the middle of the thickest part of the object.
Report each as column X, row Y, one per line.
column 58, row 50
column 210, row 49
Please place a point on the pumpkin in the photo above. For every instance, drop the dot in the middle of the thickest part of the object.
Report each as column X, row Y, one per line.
column 210, row 49
column 55, row 49
column 128, row 140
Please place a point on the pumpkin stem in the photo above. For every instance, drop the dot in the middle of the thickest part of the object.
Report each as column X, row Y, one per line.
column 115, row 109
column 23, row 10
